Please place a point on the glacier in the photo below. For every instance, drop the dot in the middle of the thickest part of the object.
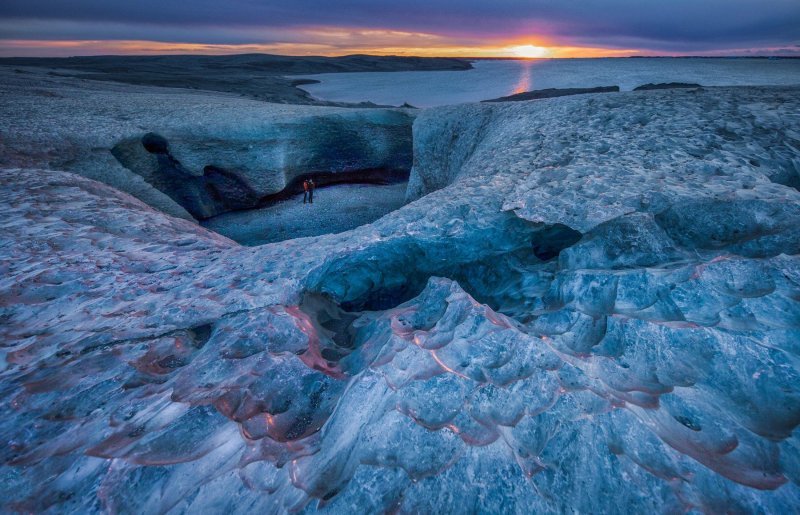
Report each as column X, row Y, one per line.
column 192, row 154
column 590, row 304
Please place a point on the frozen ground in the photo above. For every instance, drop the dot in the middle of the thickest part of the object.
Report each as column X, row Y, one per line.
column 593, row 305
column 335, row 209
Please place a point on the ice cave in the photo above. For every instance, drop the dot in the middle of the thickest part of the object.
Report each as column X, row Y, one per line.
column 583, row 304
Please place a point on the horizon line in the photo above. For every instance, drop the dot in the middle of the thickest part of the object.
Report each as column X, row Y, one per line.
column 411, row 56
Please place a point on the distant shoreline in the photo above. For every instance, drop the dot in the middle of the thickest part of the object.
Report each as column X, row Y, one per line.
column 630, row 57
column 266, row 77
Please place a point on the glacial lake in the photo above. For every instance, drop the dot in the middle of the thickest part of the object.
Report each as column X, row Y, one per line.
column 496, row 78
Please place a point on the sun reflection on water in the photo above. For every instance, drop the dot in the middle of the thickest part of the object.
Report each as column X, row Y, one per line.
column 524, row 83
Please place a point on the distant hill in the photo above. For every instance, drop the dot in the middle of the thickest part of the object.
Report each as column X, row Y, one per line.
column 259, row 76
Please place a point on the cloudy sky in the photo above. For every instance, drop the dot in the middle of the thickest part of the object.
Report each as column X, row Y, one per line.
column 531, row 28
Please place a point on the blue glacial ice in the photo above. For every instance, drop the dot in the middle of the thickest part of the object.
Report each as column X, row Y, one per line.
column 591, row 305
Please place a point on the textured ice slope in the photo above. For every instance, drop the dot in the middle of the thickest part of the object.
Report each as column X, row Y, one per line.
column 169, row 147
column 490, row 347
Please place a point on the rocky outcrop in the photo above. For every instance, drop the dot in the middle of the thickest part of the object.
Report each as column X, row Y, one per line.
column 553, row 93
column 667, row 85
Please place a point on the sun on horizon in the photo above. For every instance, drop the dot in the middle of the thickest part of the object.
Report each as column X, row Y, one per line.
column 530, row 51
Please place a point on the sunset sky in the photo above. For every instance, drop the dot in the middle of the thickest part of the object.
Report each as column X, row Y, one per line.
column 467, row 28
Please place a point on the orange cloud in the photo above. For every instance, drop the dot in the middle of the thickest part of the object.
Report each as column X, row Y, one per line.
column 435, row 47
column 133, row 47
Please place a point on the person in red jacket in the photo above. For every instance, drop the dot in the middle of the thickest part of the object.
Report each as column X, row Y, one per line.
column 308, row 191
column 306, row 188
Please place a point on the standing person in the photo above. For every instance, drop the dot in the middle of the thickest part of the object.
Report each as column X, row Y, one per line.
column 311, row 187
column 306, row 189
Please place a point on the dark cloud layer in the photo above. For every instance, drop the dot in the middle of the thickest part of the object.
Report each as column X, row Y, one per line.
column 675, row 25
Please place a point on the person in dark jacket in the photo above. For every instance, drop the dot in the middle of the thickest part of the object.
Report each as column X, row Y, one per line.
column 308, row 191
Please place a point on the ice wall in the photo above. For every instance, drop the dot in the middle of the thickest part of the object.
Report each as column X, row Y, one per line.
column 215, row 153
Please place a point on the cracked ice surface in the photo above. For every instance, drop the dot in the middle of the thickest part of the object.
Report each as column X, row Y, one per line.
column 490, row 347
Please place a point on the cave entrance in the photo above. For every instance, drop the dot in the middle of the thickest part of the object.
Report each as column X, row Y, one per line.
column 342, row 202
column 358, row 180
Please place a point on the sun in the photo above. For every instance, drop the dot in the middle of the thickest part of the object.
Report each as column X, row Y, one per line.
column 529, row 51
